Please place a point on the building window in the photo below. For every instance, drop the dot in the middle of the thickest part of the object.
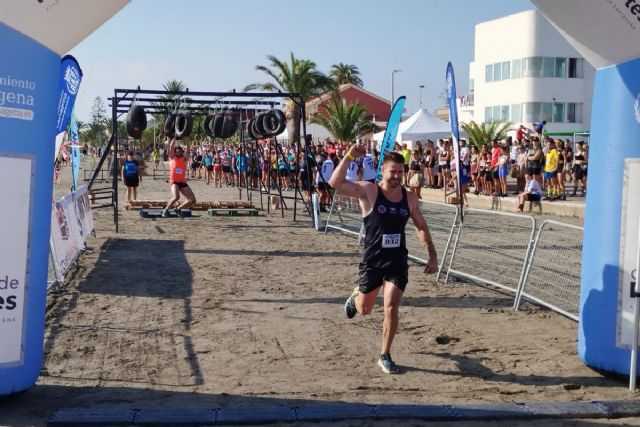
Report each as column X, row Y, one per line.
column 548, row 67
column 506, row 70
column 496, row 113
column 532, row 112
column 516, row 113
column 575, row 68
column 471, row 93
column 488, row 73
column 558, row 112
column 497, row 72
column 532, row 66
column 547, row 111
column 516, row 68
column 488, row 116
column 574, row 112
column 504, row 113
column 561, row 67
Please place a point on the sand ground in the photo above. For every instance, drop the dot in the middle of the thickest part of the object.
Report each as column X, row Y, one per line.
column 248, row 311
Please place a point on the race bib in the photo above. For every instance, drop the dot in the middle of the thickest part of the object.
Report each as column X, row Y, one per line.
column 179, row 171
column 391, row 240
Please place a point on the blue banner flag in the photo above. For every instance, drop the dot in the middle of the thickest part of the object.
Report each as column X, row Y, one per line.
column 455, row 134
column 389, row 140
column 70, row 78
column 75, row 152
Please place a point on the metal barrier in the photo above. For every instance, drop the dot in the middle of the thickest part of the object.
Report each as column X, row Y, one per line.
column 345, row 215
column 552, row 277
column 492, row 247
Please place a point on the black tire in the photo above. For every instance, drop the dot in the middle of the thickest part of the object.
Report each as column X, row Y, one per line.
column 259, row 126
column 206, row 125
column 250, row 131
column 184, row 124
column 274, row 122
column 170, row 125
column 254, row 128
column 136, row 121
column 216, row 124
column 229, row 124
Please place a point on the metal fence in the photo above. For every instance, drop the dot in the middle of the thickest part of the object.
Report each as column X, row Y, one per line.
column 492, row 247
column 345, row 215
column 552, row 277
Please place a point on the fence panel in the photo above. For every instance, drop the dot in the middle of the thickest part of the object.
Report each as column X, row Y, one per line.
column 345, row 215
column 552, row 277
column 492, row 247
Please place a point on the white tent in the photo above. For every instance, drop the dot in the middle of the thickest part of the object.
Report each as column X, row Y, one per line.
column 419, row 127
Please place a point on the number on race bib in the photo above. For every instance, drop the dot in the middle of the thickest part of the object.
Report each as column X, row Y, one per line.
column 391, row 240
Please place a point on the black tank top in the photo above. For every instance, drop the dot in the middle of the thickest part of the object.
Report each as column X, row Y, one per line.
column 384, row 242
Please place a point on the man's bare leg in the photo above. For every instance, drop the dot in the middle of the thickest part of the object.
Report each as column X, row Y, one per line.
column 392, row 296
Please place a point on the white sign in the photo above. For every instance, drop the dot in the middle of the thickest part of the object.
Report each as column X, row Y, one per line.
column 71, row 223
column 628, row 252
column 15, row 173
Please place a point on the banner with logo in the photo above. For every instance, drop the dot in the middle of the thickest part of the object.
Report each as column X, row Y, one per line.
column 70, row 78
column 75, row 152
column 34, row 35
column 71, row 223
column 389, row 140
column 455, row 134
column 606, row 33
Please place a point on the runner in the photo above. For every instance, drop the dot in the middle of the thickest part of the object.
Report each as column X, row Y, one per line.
column 386, row 208
column 178, row 180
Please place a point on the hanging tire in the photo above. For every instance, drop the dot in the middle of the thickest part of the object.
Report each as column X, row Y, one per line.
column 170, row 126
column 206, row 125
column 184, row 124
column 216, row 124
column 274, row 122
column 250, row 131
column 254, row 128
column 259, row 126
column 136, row 121
column 229, row 124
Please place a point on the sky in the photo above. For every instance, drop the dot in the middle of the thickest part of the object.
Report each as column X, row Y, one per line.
column 215, row 45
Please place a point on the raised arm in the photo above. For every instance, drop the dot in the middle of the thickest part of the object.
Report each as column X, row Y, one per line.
column 423, row 233
column 338, row 178
column 172, row 148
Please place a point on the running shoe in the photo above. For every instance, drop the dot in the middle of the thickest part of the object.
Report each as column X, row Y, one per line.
column 388, row 366
column 165, row 213
column 350, row 306
column 179, row 213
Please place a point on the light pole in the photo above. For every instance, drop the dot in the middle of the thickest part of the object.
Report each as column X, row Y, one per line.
column 421, row 87
column 393, row 99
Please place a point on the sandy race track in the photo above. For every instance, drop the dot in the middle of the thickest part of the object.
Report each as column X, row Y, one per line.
column 248, row 311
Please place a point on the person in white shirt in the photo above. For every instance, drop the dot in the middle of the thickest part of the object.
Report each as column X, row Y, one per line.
column 322, row 180
column 368, row 169
column 352, row 172
column 532, row 192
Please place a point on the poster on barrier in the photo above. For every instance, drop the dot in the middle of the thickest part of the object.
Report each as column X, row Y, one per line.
column 71, row 222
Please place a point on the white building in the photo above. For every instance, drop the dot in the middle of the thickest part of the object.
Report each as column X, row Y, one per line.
column 525, row 71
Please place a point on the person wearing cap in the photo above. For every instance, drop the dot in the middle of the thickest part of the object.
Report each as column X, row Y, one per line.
column 178, row 179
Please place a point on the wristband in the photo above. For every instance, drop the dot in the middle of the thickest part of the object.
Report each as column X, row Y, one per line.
column 350, row 156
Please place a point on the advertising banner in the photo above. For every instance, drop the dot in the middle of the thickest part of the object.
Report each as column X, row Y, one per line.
column 455, row 134
column 71, row 223
column 75, row 152
column 389, row 140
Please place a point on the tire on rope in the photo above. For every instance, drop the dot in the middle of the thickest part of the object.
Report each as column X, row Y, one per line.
column 184, row 124
column 259, row 126
column 254, row 128
column 136, row 121
column 250, row 131
column 206, row 125
column 274, row 122
column 216, row 124
column 170, row 125
column 229, row 124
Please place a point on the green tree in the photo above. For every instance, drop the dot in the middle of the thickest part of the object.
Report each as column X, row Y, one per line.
column 296, row 76
column 344, row 121
column 170, row 101
column 482, row 134
column 94, row 132
column 344, row 74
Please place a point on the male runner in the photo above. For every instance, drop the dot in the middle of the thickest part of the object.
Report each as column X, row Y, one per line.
column 386, row 207
column 178, row 180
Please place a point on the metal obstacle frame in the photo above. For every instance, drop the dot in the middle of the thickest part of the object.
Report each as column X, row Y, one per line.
column 531, row 261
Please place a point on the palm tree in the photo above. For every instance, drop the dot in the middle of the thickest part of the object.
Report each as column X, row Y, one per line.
column 344, row 74
column 170, row 100
column 344, row 121
column 482, row 134
column 297, row 76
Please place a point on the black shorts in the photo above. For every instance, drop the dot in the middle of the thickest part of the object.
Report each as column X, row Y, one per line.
column 226, row 169
column 306, row 185
column 209, row 167
column 406, row 168
column 533, row 197
column 488, row 176
column 284, row 172
column 371, row 278
column 324, row 186
column 534, row 169
column 132, row 181
column 181, row 185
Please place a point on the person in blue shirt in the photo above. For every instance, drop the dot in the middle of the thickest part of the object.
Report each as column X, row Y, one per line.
column 131, row 176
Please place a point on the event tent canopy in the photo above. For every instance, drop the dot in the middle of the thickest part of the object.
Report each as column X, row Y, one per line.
column 421, row 126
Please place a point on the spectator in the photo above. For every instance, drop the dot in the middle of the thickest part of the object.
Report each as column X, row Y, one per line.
column 531, row 193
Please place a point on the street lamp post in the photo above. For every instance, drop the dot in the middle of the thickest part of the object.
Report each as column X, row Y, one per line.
column 421, row 87
column 393, row 99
